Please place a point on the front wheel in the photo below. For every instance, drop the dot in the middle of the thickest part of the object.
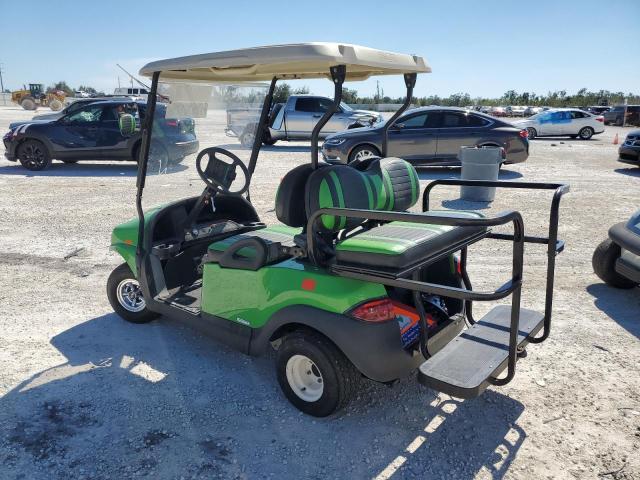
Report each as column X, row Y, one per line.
column 531, row 133
column 363, row 152
column 314, row 374
column 585, row 133
column 604, row 264
column 33, row 155
column 125, row 296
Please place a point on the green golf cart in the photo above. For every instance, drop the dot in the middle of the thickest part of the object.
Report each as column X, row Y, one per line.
column 349, row 283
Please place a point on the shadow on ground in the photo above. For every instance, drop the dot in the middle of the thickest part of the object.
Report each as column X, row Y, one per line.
column 270, row 148
column 434, row 173
column 632, row 172
column 83, row 169
column 159, row 400
column 621, row 306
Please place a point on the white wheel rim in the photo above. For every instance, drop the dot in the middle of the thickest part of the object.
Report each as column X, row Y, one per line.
column 249, row 139
column 304, row 378
column 130, row 296
column 362, row 154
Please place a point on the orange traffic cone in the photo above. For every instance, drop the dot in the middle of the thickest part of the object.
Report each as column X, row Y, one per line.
column 615, row 139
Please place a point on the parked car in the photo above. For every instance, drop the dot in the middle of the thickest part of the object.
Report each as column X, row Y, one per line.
column 598, row 109
column 95, row 132
column 629, row 151
column 498, row 111
column 559, row 122
column 617, row 259
column 429, row 136
column 295, row 119
column 516, row 111
column 616, row 115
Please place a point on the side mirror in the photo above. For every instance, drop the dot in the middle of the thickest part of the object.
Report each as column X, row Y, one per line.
column 397, row 126
column 127, row 124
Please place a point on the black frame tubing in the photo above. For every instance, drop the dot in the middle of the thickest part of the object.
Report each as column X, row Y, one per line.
column 554, row 246
column 410, row 82
column 512, row 287
column 143, row 159
column 257, row 141
column 338, row 75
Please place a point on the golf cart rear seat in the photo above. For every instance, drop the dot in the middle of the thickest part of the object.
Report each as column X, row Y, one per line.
column 388, row 184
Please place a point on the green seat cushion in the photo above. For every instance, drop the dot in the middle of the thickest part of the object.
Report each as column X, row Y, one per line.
column 271, row 234
column 401, row 244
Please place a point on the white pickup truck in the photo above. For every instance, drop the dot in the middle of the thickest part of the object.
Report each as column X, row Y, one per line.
column 295, row 119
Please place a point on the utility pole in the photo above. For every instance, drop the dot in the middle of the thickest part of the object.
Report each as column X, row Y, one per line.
column 4, row 98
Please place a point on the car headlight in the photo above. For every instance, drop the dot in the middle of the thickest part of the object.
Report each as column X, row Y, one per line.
column 335, row 141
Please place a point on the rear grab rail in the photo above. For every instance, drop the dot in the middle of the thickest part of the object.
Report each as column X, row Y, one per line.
column 512, row 287
column 554, row 246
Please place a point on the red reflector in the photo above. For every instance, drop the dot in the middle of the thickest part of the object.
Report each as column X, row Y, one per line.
column 375, row 311
column 599, row 119
column 309, row 284
column 172, row 123
column 524, row 133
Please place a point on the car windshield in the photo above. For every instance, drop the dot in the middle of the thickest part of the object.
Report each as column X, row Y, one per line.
column 345, row 107
column 192, row 117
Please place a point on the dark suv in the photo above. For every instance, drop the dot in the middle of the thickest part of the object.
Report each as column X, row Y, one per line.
column 616, row 114
column 429, row 136
column 94, row 132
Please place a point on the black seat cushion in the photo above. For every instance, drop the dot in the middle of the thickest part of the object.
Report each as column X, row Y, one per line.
column 290, row 196
column 399, row 245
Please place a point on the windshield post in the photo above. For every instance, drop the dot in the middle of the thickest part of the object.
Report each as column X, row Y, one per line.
column 257, row 141
column 410, row 82
column 143, row 158
column 338, row 74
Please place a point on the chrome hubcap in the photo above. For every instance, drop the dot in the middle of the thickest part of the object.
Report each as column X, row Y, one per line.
column 304, row 378
column 130, row 296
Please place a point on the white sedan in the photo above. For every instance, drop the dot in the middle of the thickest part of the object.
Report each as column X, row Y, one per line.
column 558, row 122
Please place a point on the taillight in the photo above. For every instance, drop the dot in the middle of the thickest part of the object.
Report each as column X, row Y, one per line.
column 171, row 123
column 524, row 133
column 600, row 119
column 375, row 311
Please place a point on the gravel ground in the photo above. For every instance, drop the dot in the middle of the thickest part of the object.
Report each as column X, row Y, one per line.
column 84, row 394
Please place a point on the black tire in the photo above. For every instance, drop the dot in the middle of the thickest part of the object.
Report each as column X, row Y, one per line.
column 339, row 378
column 70, row 161
column 604, row 261
column 585, row 133
column 33, row 155
column 115, row 281
column 531, row 133
column 28, row 103
column 269, row 141
column 363, row 150
column 248, row 136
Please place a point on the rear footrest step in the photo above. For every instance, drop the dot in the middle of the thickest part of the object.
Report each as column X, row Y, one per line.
column 464, row 367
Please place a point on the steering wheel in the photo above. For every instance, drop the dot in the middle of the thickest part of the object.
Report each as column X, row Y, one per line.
column 220, row 174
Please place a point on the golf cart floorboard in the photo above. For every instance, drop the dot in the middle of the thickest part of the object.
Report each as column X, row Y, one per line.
column 465, row 366
column 187, row 299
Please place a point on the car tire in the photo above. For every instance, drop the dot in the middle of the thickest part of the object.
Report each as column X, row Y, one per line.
column 314, row 374
column 531, row 132
column 158, row 158
column 585, row 133
column 125, row 297
column 362, row 152
column 604, row 261
column 56, row 105
column 248, row 137
column 33, row 155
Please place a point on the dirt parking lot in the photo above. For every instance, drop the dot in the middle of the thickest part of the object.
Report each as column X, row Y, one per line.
column 84, row 394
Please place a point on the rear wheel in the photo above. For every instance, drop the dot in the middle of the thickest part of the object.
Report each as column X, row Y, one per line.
column 531, row 133
column 604, row 262
column 248, row 137
column 585, row 133
column 125, row 296
column 55, row 105
column 314, row 374
column 28, row 103
column 33, row 155
column 363, row 152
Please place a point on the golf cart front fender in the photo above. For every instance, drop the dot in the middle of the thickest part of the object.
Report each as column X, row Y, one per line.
column 375, row 349
column 128, row 253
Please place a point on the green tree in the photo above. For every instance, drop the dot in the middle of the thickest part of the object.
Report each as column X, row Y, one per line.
column 349, row 95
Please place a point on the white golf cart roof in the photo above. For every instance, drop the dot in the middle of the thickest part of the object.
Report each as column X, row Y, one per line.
column 300, row 60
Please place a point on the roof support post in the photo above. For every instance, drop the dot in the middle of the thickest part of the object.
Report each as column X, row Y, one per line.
column 410, row 82
column 338, row 74
column 260, row 128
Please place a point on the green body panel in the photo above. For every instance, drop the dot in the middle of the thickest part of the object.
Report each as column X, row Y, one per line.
column 251, row 297
column 124, row 238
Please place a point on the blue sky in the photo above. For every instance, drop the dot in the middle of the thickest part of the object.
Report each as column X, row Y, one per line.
column 480, row 47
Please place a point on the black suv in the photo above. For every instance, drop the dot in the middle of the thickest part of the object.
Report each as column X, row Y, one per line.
column 94, row 132
column 617, row 113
